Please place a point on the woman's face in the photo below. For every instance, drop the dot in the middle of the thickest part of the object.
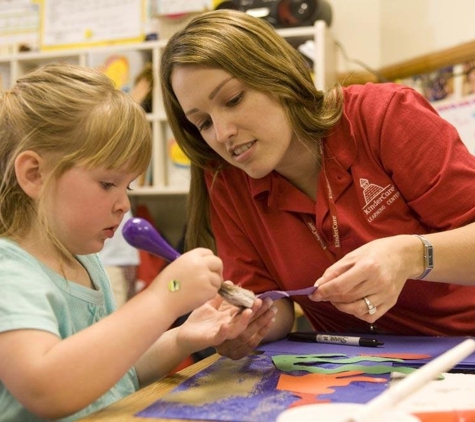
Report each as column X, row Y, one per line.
column 247, row 128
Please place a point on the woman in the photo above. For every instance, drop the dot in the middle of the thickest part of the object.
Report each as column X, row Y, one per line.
column 300, row 187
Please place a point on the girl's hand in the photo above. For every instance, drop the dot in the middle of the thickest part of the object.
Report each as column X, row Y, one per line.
column 263, row 313
column 213, row 323
column 376, row 271
column 190, row 280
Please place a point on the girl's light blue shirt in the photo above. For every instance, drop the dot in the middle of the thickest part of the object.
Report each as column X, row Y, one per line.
column 34, row 297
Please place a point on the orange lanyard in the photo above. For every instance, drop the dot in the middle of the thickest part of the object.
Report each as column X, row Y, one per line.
column 332, row 208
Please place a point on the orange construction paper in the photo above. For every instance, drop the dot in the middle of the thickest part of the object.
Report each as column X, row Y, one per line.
column 449, row 416
column 319, row 384
column 405, row 356
column 307, row 399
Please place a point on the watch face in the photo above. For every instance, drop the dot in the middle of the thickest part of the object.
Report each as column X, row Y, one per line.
column 428, row 256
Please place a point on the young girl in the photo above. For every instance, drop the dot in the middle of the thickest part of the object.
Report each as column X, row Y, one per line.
column 70, row 146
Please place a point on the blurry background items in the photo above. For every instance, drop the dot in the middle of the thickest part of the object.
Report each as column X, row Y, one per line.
column 141, row 92
column 283, row 13
column 121, row 262
column 469, row 81
column 69, row 23
column 117, row 68
column 178, row 7
column 178, row 165
column 19, row 26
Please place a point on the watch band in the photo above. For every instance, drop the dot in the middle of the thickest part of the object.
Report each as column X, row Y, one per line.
column 428, row 257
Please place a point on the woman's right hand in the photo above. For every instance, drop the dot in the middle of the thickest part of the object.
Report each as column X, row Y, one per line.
column 190, row 281
column 259, row 326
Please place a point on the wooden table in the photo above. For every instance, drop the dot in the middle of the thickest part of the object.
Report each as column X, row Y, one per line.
column 125, row 409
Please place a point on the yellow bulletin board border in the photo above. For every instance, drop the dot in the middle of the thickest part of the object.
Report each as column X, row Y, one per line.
column 90, row 23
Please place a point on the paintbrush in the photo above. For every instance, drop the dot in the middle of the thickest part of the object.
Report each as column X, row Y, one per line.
column 140, row 234
column 413, row 382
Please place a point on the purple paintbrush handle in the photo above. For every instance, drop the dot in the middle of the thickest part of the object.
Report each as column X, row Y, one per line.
column 142, row 235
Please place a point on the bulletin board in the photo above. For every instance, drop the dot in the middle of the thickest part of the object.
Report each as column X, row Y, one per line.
column 461, row 113
column 173, row 7
column 19, row 24
column 73, row 23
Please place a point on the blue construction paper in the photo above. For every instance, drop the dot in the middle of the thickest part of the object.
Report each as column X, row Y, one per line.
column 223, row 393
column 356, row 392
column 433, row 346
column 243, row 390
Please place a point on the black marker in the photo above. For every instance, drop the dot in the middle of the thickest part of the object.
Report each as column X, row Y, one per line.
column 334, row 339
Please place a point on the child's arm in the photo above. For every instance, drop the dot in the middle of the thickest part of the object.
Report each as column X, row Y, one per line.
column 207, row 326
column 55, row 377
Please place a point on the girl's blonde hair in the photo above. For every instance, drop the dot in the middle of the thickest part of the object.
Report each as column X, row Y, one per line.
column 249, row 49
column 74, row 115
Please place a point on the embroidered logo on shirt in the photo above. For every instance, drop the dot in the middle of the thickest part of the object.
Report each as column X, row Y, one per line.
column 377, row 198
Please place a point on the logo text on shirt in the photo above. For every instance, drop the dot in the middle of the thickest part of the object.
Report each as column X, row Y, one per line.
column 377, row 198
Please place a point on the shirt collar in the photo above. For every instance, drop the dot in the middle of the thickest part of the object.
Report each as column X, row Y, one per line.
column 340, row 143
column 340, row 153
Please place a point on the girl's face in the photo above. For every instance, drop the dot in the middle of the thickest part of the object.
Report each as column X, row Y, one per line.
column 247, row 128
column 88, row 207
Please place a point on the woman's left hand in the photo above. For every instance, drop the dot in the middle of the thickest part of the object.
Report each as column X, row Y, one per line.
column 367, row 282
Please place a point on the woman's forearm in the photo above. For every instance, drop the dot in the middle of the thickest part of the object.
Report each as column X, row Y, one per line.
column 284, row 320
column 454, row 256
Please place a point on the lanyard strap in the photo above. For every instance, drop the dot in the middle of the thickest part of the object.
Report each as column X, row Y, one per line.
column 332, row 208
